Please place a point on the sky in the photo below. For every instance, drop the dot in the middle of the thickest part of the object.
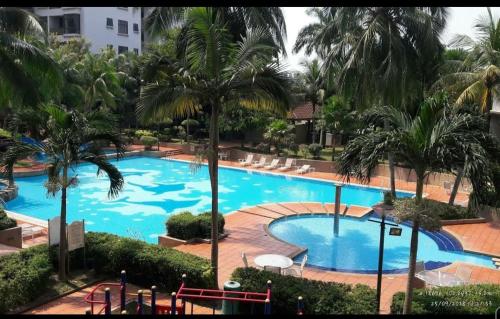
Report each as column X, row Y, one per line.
column 460, row 21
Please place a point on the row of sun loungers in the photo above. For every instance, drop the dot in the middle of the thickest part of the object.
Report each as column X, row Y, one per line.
column 275, row 164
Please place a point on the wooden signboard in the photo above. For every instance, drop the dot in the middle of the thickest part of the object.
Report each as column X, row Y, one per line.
column 54, row 230
column 76, row 231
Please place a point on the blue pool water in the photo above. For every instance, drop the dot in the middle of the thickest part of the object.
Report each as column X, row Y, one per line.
column 155, row 188
column 356, row 248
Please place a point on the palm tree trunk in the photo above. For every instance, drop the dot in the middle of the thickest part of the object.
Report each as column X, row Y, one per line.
column 213, row 171
column 413, row 250
column 312, row 123
column 62, row 229
column 391, row 166
column 454, row 191
column 10, row 175
column 187, row 130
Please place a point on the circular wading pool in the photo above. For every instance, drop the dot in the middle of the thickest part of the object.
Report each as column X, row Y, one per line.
column 357, row 246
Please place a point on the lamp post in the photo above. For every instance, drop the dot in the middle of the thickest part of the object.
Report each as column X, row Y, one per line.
column 381, row 210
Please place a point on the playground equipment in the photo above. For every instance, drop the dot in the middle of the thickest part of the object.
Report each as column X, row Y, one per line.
column 184, row 294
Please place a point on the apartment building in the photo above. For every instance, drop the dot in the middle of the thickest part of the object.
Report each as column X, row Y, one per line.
column 117, row 27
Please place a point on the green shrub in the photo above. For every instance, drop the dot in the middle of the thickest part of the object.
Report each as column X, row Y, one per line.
column 141, row 133
column 146, row 264
column 164, row 137
column 319, row 297
column 294, row 147
column 148, row 141
column 23, row 276
column 388, row 198
column 315, row 150
column 446, row 211
column 5, row 221
column 304, row 150
column 188, row 226
column 469, row 299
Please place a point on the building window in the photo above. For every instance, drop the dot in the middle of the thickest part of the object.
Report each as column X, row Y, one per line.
column 109, row 23
column 136, row 27
column 122, row 49
column 136, row 51
column 43, row 23
column 122, row 27
column 72, row 23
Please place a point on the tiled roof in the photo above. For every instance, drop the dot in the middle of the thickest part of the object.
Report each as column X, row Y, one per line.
column 303, row 111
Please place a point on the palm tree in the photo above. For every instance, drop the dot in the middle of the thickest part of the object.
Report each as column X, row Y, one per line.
column 313, row 87
column 237, row 20
column 385, row 55
column 436, row 140
column 28, row 73
column 70, row 138
column 476, row 81
column 217, row 71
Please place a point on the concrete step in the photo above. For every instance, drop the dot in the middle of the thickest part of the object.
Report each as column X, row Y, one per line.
column 173, row 152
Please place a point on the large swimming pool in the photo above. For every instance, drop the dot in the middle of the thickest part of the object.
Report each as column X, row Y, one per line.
column 156, row 188
column 357, row 246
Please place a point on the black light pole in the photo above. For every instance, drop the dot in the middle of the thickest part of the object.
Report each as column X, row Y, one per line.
column 381, row 209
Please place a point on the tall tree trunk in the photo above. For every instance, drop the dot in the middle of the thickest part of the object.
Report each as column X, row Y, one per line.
column 391, row 165
column 413, row 249
column 10, row 174
column 454, row 190
column 312, row 123
column 62, row 229
column 187, row 130
column 213, row 171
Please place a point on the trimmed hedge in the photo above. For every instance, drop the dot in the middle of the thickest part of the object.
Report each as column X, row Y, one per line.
column 148, row 141
column 188, row 226
column 23, row 276
column 319, row 297
column 146, row 264
column 447, row 211
column 5, row 221
column 469, row 299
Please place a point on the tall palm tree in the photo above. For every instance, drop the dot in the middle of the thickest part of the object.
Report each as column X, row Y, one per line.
column 28, row 73
column 385, row 55
column 217, row 71
column 70, row 138
column 476, row 81
column 313, row 87
column 436, row 140
column 238, row 20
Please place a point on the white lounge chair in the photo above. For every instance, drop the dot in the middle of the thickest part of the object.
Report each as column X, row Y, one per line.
column 273, row 165
column 244, row 258
column 296, row 271
column 247, row 161
column 260, row 163
column 305, row 169
column 289, row 163
column 31, row 230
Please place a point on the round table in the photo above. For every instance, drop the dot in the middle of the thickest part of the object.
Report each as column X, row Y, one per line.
column 439, row 278
column 273, row 260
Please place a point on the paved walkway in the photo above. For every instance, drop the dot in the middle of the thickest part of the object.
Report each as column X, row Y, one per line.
column 247, row 234
column 74, row 303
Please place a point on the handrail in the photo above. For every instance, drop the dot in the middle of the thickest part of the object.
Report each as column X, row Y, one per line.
column 89, row 298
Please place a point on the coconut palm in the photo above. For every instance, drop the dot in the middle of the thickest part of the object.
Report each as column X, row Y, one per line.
column 313, row 85
column 436, row 140
column 70, row 139
column 479, row 75
column 28, row 74
column 237, row 20
column 216, row 71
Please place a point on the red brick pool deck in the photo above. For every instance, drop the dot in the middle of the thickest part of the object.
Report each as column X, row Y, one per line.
column 247, row 228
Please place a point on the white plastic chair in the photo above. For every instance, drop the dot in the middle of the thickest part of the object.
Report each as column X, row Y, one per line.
column 297, row 271
column 305, row 169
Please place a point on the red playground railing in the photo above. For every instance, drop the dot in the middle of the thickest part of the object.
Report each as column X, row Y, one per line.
column 184, row 294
